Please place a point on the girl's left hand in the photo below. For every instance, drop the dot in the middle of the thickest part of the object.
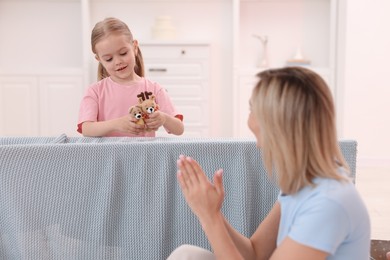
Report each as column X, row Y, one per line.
column 204, row 198
column 156, row 120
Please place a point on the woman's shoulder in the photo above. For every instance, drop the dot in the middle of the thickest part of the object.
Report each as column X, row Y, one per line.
column 323, row 188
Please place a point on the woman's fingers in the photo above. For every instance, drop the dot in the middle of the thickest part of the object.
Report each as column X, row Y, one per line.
column 218, row 181
column 185, row 165
column 182, row 174
column 182, row 181
column 191, row 174
column 198, row 171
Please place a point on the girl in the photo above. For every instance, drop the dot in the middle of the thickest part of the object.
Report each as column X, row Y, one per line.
column 319, row 213
column 104, row 110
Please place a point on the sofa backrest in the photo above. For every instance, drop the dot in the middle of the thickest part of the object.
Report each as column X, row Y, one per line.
column 118, row 198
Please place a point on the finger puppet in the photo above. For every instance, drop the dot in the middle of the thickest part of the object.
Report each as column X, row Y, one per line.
column 148, row 106
column 136, row 113
column 143, row 110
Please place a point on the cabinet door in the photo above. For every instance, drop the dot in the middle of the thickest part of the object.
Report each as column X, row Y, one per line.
column 183, row 71
column 19, row 106
column 59, row 106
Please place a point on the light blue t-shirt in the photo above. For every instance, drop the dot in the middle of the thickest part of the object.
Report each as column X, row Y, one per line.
column 330, row 217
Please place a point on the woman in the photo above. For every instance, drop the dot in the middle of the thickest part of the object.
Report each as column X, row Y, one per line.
column 319, row 213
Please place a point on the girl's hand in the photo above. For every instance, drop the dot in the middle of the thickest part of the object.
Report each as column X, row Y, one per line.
column 156, row 120
column 204, row 198
column 128, row 124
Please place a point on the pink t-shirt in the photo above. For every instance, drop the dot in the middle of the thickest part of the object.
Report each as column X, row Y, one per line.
column 106, row 99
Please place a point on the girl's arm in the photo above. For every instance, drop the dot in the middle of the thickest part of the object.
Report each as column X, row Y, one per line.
column 172, row 124
column 103, row 128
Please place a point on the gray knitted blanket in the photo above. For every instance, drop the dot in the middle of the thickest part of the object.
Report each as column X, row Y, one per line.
column 118, row 198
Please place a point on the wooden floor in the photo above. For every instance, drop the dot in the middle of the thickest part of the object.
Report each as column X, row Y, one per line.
column 374, row 187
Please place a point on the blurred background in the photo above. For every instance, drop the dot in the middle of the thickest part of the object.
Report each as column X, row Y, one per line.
column 209, row 52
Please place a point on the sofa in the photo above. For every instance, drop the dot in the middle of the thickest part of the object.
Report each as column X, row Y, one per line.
column 118, row 198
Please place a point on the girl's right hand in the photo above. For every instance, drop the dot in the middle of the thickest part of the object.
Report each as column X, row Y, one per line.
column 127, row 125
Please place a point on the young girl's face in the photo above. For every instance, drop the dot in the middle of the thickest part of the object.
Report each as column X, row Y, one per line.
column 117, row 55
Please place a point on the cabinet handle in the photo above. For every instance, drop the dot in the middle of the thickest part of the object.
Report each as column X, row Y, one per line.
column 158, row 70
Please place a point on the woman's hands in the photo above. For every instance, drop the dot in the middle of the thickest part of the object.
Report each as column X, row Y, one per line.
column 205, row 200
column 203, row 197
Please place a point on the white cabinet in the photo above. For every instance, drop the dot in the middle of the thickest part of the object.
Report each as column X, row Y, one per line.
column 60, row 98
column 41, row 67
column 19, row 106
column 40, row 105
column 183, row 70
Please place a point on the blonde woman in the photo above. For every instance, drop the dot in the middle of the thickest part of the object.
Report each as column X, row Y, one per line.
column 319, row 213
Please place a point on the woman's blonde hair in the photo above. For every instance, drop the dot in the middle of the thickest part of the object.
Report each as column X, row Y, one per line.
column 296, row 114
column 109, row 26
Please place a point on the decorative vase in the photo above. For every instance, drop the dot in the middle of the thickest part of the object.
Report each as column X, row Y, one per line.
column 263, row 62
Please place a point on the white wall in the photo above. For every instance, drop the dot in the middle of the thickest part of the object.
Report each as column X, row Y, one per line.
column 39, row 35
column 364, row 85
column 366, row 93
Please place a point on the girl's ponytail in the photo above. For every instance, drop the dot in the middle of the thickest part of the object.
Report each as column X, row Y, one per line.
column 139, row 63
column 101, row 73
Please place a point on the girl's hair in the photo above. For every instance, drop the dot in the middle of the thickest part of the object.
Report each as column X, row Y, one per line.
column 110, row 26
column 296, row 114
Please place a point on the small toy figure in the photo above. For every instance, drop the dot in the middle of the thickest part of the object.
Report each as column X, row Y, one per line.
column 136, row 112
column 143, row 110
column 148, row 106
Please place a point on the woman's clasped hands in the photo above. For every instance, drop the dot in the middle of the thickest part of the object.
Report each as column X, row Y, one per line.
column 204, row 198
